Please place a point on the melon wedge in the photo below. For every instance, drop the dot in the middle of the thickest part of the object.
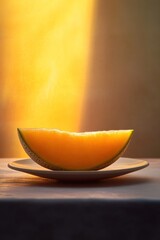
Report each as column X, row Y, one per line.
column 61, row 150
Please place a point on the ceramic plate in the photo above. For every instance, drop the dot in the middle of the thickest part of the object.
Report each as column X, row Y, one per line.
column 120, row 167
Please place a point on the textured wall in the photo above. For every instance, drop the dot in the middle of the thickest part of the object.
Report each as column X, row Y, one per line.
column 43, row 62
column 123, row 88
column 124, row 75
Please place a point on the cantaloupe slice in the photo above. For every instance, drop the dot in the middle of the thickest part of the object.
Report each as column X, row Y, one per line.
column 62, row 150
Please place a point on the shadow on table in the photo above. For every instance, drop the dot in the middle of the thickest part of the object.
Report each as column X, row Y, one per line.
column 114, row 182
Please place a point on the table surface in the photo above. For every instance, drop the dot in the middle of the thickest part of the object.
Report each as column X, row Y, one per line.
column 126, row 207
column 142, row 184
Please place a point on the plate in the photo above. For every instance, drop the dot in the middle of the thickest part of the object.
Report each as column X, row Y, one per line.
column 120, row 167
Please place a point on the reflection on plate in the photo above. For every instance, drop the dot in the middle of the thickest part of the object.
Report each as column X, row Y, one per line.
column 120, row 167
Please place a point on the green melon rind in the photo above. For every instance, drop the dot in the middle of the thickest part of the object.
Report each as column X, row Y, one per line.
column 33, row 155
column 47, row 165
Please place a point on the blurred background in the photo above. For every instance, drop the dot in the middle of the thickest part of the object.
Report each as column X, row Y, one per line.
column 80, row 66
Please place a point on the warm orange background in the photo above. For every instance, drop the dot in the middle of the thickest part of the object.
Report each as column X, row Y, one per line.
column 80, row 65
column 45, row 48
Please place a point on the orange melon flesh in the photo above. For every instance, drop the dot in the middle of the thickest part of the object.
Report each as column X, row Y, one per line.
column 62, row 150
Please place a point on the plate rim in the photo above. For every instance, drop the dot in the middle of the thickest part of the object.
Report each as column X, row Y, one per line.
column 65, row 175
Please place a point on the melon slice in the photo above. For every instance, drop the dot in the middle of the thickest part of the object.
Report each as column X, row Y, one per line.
column 61, row 150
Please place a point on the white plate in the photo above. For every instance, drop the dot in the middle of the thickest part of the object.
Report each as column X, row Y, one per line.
column 120, row 167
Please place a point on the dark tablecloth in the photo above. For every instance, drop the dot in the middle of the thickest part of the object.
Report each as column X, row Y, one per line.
column 126, row 207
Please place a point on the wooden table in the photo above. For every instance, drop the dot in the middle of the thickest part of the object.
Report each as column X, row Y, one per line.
column 126, row 207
